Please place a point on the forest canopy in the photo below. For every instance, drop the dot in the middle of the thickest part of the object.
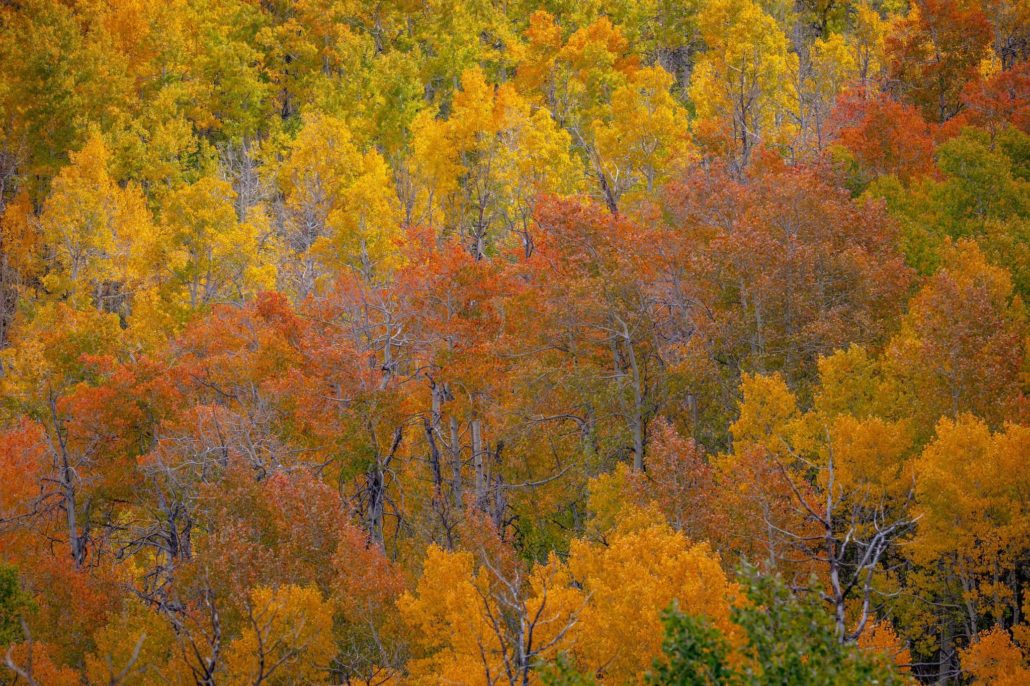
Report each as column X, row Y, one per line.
column 534, row 343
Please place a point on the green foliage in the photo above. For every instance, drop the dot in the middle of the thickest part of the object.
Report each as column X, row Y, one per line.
column 790, row 640
column 13, row 603
column 982, row 194
column 696, row 653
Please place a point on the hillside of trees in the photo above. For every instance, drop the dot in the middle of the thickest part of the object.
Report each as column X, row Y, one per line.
column 523, row 342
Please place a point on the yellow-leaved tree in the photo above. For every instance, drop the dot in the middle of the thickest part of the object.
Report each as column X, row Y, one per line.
column 962, row 344
column 95, row 230
column 828, row 491
column 287, row 640
column 340, row 206
column 479, row 171
column 743, row 81
column 973, row 494
column 201, row 255
column 138, row 646
column 483, row 619
column 625, row 123
column 996, row 660
column 627, row 582
column 644, row 139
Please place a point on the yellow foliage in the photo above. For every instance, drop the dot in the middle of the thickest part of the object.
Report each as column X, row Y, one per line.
column 480, row 170
column 365, row 230
column 881, row 637
column 46, row 349
column 612, row 503
column 867, row 42
column 288, row 641
column 973, row 491
column 645, row 137
column 604, row 606
column 960, row 347
column 20, row 240
column 743, row 80
column 210, row 254
column 995, row 660
column 871, row 457
column 157, row 662
column 449, row 622
column 848, row 383
column 766, row 410
column 94, row 228
column 628, row 583
column 343, row 209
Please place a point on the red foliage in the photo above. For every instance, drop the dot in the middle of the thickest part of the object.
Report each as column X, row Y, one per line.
column 886, row 137
column 935, row 51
